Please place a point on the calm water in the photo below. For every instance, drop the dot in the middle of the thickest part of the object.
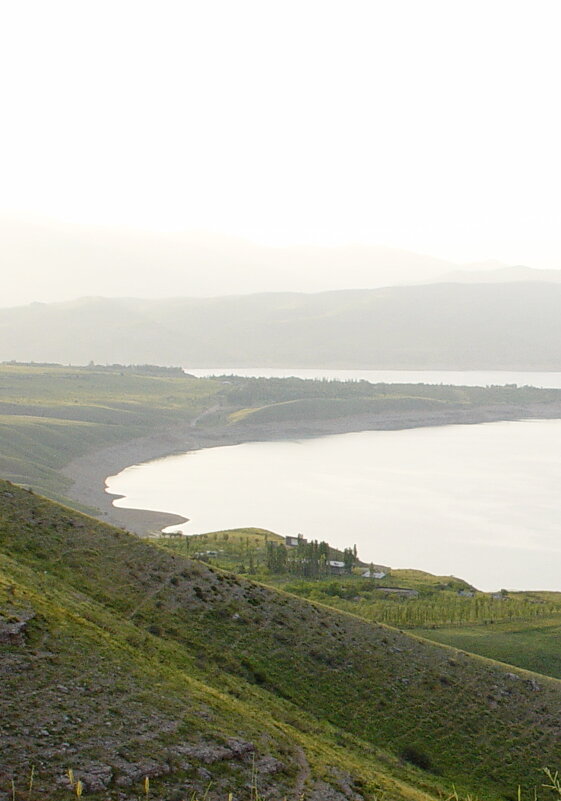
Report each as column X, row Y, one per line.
column 478, row 501
column 466, row 378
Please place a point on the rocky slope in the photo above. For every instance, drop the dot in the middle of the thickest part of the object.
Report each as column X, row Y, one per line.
column 121, row 661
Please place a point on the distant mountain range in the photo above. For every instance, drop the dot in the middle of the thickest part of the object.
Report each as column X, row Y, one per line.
column 501, row 274
column 53, row 261
column 513, row 325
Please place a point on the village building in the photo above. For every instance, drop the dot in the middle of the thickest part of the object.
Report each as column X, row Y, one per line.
column 376, row 574
column 294, row 542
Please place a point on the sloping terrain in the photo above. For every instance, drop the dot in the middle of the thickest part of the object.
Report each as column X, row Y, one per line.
column 120, row 659
column 51, row 414
column 87, row 684
column 530, row 644
column 502, row 326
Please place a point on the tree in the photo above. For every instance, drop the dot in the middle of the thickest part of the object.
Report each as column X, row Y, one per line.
column 348, row 559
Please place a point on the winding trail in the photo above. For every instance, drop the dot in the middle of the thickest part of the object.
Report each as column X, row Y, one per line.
column 304, row 773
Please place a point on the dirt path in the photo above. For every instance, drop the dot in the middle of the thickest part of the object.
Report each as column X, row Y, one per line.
column 196, row 420
column 304, row 773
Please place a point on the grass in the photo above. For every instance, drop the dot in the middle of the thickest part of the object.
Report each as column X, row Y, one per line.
column 243, row 550
column 370, row 601
column 533, row 645
column 118, row 666
column 154, row 652
column 49, row 415
column 328, row 408
column 438, row 602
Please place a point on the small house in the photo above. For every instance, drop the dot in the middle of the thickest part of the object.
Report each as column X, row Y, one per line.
column 294, row 542
column 376, row 574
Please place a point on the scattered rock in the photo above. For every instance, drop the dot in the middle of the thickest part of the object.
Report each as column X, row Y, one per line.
column 210, row 753
column 134, row 772
column 95, row 777
column 322, row 791
column 268, row 765
column 240, row 748
column 203, row 774
column 12, row 628
column 346, row 784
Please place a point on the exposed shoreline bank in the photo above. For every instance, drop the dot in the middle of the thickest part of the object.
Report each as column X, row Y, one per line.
column 89, row 472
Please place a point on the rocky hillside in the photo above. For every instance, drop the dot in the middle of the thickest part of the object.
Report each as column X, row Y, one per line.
column 121, row 660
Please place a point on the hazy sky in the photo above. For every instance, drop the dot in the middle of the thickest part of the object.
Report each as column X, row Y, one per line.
column 429, row 125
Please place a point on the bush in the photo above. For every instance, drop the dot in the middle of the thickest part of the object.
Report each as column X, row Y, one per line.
column 416, row 757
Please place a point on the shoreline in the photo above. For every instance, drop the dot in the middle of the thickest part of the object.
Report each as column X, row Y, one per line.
column 89, row 472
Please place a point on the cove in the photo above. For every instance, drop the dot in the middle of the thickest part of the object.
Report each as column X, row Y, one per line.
column 479, row 501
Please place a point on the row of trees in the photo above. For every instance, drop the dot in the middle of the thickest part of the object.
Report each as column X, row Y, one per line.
column 446, row 610
column 246, row 392
column 307, row 559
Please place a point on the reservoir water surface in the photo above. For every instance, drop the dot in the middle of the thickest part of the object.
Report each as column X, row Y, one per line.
column 466, row 378
column 482, row 502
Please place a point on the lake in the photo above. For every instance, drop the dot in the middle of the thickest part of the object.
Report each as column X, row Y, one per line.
column 482, row 502
column 466, row 378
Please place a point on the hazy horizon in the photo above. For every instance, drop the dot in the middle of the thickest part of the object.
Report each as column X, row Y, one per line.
column 125, row 262
column 400, row 128
column 117, row 261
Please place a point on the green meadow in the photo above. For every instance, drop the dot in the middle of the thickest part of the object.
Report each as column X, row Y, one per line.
column 530, row 644
column 51, row 414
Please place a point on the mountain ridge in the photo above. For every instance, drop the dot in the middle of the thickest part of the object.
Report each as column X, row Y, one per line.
column 435, row 326
column 89, row 258
column 499, row 275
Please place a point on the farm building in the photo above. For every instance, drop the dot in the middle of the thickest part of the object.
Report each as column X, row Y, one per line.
column 376, row 574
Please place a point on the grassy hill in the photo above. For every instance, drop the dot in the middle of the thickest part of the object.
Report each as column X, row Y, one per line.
column 121, row 659
column 50, row 414
column 517, row 628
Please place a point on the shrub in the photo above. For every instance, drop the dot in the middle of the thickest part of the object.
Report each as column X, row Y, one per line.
column 416, row 757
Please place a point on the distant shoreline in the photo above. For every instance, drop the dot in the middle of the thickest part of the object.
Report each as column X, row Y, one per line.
column 90, row 471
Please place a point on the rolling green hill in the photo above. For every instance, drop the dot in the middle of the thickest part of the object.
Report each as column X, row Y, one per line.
column 121, row 659
column 50, row 414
